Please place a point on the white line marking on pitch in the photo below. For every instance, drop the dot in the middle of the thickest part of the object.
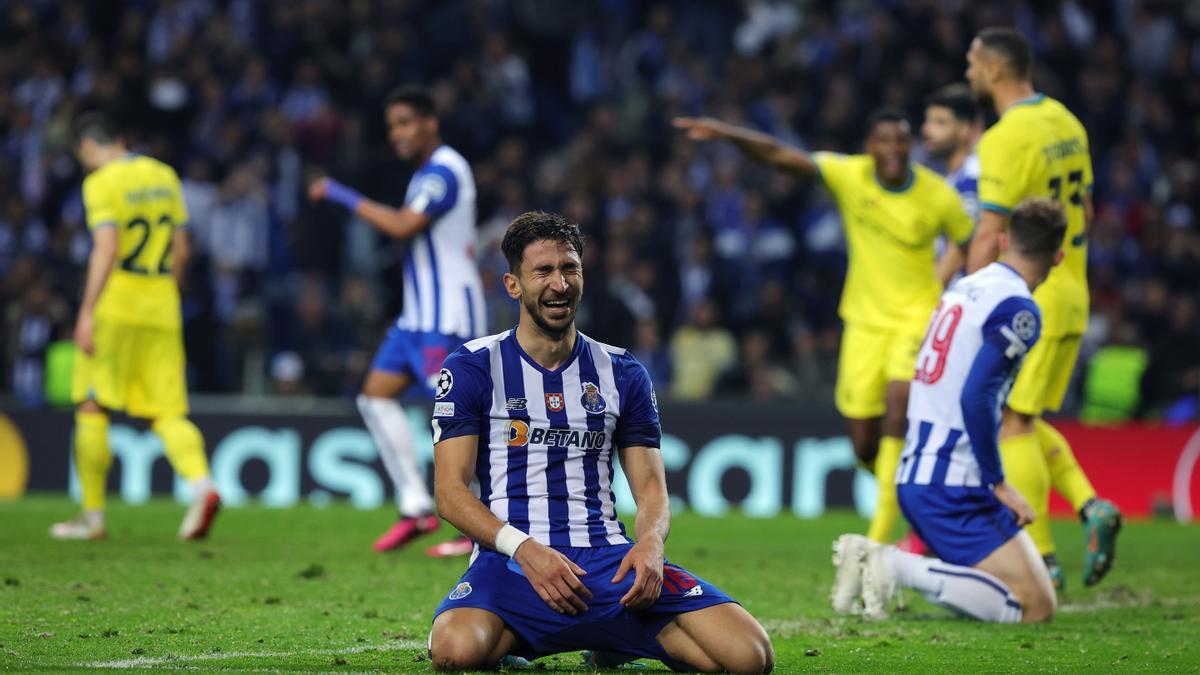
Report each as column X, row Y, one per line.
column 182, row 659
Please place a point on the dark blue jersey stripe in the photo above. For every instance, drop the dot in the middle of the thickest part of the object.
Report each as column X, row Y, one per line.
column 518, row 455
column 943, row 458
column 597, row 533
column 437, row 286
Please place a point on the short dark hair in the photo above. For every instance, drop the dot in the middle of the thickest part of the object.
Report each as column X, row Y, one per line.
column 957, row 98
column 97, row 126
column 1037, row 227
column 883, row 114
column 533, row 226
column 1012, row 46
column 416, row 97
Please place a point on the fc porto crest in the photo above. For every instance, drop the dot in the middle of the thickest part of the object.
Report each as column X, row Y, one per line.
column 461, row 591
column 591, row 400
column 554, row 402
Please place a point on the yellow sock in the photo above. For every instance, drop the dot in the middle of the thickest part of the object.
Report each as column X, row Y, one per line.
column 184, row 446
column 1025, row 469
column 887, row 510
column 1066, row 476
column 92, row 457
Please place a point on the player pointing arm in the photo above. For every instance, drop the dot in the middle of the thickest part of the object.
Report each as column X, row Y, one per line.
column 893, row 211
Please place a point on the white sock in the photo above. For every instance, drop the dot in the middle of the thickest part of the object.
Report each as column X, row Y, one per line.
column 963, row 590
column 94, row 518
column 389, row 427
column 201, row 487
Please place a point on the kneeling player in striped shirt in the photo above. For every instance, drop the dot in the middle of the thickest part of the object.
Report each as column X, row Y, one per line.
column 950, row 482
column 525, row 427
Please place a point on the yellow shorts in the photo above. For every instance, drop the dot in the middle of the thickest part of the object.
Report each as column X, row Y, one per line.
column 869, row 359
column 1042, row 381
column 137, row 369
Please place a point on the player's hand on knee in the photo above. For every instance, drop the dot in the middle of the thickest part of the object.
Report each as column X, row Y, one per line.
column 645, row 559
column 554, row 576
column 1013, row 499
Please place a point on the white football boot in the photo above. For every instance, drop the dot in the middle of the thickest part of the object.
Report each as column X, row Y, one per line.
column 849, row 551
column 878, row 582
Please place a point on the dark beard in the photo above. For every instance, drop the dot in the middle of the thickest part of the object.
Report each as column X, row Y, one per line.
column 984, row 100
column 552, row 332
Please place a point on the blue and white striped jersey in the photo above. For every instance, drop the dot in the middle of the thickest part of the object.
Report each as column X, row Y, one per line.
column 546, row 438
column 976, row 341
column 965, row 180
column 442, row 290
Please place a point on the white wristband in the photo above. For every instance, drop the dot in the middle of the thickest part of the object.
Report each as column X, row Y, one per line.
column 508, row 539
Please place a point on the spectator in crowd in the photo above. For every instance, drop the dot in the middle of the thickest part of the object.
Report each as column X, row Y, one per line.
column 568, row 110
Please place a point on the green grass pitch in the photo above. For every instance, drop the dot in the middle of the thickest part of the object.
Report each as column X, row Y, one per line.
column 301, row 590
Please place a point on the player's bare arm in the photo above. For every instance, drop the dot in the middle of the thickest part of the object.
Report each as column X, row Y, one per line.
column 552, row 575
column 985, row 245
column 756, row 145
column 401, row 223
column 644, row 470
column 181, row 253
column 100, row 264
column 951, row 262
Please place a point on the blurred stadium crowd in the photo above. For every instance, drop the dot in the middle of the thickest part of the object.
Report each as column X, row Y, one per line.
column 722, row 276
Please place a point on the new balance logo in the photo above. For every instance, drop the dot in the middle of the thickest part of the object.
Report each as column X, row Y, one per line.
column 694, row 592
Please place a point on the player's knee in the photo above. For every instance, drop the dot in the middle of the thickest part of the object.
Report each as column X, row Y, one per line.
column 91, row 407
column 1039, row 607
column 457, row 650
column 754, row 654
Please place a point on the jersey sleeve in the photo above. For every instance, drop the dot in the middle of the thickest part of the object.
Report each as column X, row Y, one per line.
column 436, row 191
column 1009, row 332
column 1003, row 171
column 638, row 424
column 833, row 169
column 98, row 202
column 461, row 400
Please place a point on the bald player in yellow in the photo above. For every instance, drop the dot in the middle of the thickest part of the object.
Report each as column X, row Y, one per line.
column 893, row 212
column 1039, row 149
column 129, row 334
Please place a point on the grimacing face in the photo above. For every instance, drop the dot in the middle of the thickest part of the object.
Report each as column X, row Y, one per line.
column 409, row 132
column 549, row 285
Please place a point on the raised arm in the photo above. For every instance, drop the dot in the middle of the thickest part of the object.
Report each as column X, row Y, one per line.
column 402, row 223
column 754, row 144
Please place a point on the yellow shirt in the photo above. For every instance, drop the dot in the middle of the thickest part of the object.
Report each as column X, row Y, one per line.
column 1039, row 149
column 700, row 356
column 892, row 277
column 142, row 198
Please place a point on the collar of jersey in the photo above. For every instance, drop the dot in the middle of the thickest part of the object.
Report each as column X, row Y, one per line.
column 1032, row 100
column 912, row 175
column 546, row 371
column 429, row 162
column 1010, row 268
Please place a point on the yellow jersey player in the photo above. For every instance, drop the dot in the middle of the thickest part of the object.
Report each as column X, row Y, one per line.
column 1039, row 149
column 129, row 335
column 893, row 212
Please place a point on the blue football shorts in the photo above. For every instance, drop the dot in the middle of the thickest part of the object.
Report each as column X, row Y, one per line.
column 415, row 353
column 495, row 583
column 962, row 525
